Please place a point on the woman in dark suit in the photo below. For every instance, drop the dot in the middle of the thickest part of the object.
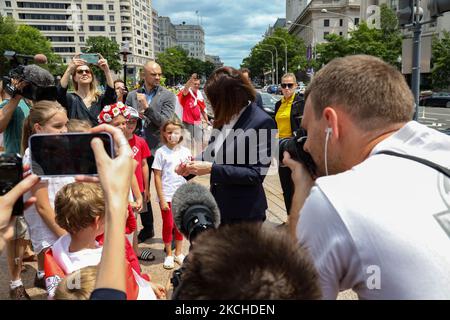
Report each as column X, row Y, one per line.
column 239, row 153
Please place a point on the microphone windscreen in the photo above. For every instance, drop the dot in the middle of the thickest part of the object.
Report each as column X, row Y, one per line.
column 191, row 194
column 37, row 75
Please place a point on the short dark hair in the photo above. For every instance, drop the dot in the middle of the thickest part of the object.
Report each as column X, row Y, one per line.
column 245, row 262
column 229, row 92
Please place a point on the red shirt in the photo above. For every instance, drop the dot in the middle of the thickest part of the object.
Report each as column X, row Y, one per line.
column 141, row 151
column 191, row 111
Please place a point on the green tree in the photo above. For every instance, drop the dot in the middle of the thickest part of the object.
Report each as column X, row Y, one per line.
column 385, row 43
column 441, row 61
column 24, row 39
column 208, row 68
column 173, row 63
column 260, row 61
column 109, row 50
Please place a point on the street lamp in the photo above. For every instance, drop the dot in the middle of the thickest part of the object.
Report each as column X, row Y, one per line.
column 313, row 35
column 340, row 14
column 125, row 51
column 276, row 58
column 271, row 53
column 285, row 52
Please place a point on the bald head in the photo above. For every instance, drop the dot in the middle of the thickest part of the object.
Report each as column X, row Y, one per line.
column 152, row 75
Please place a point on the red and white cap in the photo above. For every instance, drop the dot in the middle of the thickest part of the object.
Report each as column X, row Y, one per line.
column 112, row 111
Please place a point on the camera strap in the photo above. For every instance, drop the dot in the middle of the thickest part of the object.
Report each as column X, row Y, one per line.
column 441, row 169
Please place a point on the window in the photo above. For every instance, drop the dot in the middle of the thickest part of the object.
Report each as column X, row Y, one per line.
column 60, row 39
column 9, row 14
column 50, row 27
column 139, row 42
column 138, row 32
column 81, row 39
column 325, row 34
column 8, row 4
column 113, row 39
column 111, row 18
column 356, row 21
column 340, row 33
column 326, row 22
column 64, row 49
column 95, row 7
column 96, row 28
column 38, row 16
column 112, row 28
column 41, row 5
column 341, row 22
column 96, row 18
column 111, row 7
column 139, row 51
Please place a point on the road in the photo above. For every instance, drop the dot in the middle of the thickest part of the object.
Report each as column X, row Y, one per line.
column 436, row 118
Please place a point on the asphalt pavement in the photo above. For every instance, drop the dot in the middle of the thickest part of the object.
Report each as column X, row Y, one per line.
column 436, row 118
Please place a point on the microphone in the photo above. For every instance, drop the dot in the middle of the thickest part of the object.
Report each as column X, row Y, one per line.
column 42, row 83
column 194, row 210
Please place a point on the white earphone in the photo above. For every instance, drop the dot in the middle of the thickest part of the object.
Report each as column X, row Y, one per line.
column 328, row 131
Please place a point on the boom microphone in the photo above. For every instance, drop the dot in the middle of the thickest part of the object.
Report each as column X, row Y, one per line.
column 194, row 210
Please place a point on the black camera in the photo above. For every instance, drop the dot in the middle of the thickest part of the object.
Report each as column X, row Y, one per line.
column 294, row 146
column 11, row 173
column 33, row 90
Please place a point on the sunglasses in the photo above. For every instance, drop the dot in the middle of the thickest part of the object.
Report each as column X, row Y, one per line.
column 287, row 85
column 81, row 71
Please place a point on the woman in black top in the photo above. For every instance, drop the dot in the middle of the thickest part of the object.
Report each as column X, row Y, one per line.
column 85, row 103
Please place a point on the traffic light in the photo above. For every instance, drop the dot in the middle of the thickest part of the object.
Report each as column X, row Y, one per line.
column 438, row 7
column 405, row 11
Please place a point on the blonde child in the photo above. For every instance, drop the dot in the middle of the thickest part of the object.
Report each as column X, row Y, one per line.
column 167, row 182
column 80, row 210
column 44, row 117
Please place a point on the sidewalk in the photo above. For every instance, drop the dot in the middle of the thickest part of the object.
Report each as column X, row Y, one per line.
column 276, row 214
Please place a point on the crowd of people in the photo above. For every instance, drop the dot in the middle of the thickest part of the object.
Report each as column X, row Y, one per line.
column 373, row 217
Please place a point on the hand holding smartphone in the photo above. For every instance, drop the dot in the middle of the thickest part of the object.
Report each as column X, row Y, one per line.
column 11, row 172
column 67, row 154
column 90, row 58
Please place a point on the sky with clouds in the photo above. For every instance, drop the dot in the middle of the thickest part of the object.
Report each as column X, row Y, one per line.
column 232, row 27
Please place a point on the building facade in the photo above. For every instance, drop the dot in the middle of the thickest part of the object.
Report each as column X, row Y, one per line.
column 167, row 33
column 68, row 24
column 214, row 60
column 191, row 38
column 322, row 17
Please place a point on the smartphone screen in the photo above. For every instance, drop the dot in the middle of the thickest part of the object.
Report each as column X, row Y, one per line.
column 66, row 154
column 11, row 173
column 90, row 58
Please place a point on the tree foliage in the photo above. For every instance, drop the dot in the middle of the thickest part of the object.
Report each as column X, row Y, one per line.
column 108, row 49
column 25, row 40
column 177, row 66
column 385, row 43
column 441, row 61
column 260, row 61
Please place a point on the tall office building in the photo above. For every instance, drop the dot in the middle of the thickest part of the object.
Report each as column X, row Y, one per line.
column 68, row 24
column 167, row 33
column 191, row 38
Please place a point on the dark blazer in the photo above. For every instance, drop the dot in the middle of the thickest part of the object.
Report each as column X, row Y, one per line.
column 297, row 109
column 76, row 109
column 237, row 184
column 161, row 108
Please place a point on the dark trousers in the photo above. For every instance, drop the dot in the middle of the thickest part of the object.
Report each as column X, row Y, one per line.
column 147, row 217
column 287, row 185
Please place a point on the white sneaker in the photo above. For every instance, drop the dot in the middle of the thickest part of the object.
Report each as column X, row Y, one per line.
column 179, row 259
column 169, row 262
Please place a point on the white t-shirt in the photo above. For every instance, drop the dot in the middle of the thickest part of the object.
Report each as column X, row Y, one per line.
column 167, row 160
column 40, row 234
column 383, row 227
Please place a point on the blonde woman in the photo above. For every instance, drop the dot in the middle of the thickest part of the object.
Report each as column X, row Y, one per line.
column 85, row 103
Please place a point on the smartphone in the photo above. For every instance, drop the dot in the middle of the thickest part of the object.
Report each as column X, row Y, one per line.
column 11, row 173
column 90, row 58
column 68, row 154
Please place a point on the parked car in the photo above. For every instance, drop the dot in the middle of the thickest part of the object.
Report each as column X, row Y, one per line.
column 437, row 100
column 273, row 89
column 269, row 102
